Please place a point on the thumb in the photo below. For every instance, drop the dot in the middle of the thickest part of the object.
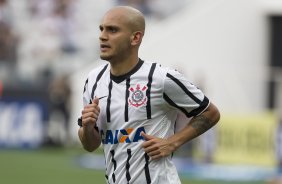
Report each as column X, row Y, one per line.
column 146, row 136
column 95, row 101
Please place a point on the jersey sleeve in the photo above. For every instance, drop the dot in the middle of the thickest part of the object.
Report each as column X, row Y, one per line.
column 181, row 94
column 86, row 100
column 86, row 94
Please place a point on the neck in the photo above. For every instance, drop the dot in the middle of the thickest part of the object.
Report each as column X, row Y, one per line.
column 123, row 66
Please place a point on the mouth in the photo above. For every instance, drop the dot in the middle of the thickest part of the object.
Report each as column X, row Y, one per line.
column 104, row 47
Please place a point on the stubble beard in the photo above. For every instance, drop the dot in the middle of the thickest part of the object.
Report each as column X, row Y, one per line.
column 105, row 57
column 112, row 57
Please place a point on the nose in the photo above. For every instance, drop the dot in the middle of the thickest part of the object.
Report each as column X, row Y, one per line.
column 103, row 36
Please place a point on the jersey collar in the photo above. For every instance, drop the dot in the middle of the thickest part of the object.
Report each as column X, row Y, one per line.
column 121, row 78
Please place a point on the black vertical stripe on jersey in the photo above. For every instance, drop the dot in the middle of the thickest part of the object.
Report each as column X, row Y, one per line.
column 126, row 100
column 115, row 165
column 128, row 177
column 86, row 82
column 148, row 92
column 146, row 168
column 97, row 79
column 109, row 102
column 106, row 176
column 183, row 88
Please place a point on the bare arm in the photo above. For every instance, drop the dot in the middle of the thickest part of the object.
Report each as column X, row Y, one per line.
column 157, row 148
column 197, row 126
column 88, row 135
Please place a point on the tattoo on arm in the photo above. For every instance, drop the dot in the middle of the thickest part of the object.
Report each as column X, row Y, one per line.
column 201, row 124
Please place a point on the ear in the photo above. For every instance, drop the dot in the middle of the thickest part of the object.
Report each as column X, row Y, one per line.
column 136, row 38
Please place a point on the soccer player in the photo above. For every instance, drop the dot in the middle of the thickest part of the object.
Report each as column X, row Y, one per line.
column 130, row 106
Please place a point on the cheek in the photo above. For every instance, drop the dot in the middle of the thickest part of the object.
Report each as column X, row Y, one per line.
column 120, row 44
column 124, row 45
column 120, row 47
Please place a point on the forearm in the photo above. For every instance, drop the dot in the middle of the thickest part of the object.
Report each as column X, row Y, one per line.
column 157, row 147
column 197, row 126
column 89, row 138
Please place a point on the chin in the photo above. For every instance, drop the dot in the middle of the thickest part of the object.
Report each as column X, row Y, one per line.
column 104, row 57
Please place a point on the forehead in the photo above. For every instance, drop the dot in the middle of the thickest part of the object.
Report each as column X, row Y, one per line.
column 115, row 18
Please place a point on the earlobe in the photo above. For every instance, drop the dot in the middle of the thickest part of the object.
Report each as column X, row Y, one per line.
column 132, row 38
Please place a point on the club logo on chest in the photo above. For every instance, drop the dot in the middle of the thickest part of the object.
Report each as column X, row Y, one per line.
column 137, row 96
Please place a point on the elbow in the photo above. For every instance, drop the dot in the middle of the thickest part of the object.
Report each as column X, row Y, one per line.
column 214, row 114
column 217, row 117
column 89, row 149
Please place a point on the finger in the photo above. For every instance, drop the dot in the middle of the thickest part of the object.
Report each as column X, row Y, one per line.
column 95, row 101
column 147, row 144
column 150, row 149
column 94, row 110
column 156, row 157
column 92, row 105
column 88, row 121
column 146, row 136
column 89, row 117
column 93, row 114
column 154, row 153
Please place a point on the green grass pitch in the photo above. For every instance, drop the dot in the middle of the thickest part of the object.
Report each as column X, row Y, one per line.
column 57, row 166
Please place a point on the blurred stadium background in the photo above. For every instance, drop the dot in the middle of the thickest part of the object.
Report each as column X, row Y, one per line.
column 230, row 49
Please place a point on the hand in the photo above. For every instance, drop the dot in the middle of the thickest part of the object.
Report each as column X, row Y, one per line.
column 156, row 147
column 90, row 114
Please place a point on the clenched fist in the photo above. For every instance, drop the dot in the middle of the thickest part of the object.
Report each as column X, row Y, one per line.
column 90, row 114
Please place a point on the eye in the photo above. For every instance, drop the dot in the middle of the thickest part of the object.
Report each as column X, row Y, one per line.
column 113, row 29
column 101, row 28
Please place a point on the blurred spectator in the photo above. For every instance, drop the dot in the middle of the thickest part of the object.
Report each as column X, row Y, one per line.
column 59, row 111
column 8, row 52
column 8, row 40
column 55, row 29
column 59, row 93
column 41, row 8
column 5, row 12
column 66, row 24
column 8, row 44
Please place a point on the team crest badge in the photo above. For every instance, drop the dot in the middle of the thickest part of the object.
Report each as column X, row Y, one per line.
column 137, row 97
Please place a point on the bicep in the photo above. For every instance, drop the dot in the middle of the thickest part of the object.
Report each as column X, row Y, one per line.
column 181, row 94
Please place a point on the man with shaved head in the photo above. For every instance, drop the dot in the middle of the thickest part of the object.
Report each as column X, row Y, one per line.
column 130, row 106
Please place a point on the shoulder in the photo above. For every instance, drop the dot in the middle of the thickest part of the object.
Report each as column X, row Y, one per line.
column 159, row 69
column 155, row 66
column 98, row 71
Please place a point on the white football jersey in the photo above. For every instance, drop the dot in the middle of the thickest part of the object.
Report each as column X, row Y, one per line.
column 147, row 99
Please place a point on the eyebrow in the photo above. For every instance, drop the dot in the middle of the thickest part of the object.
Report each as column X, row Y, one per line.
column 109, row 26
